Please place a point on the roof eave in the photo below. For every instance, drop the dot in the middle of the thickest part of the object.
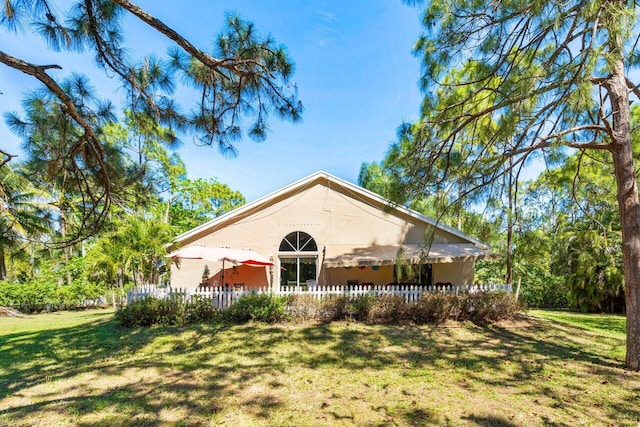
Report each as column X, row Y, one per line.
column 345, row 184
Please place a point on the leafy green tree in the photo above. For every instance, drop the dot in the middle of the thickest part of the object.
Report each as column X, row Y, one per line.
column 24, row 214
column 587, row 243
column 48, row 135
column 132, row 253
column 590, row 261
column 151, row 150
column 374, row 177
column 195, row 202
column 104, row 264
column 241, row 83
column 557, row 78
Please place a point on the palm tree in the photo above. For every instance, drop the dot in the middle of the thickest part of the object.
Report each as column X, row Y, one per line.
column 134, row 250
column 24, row 213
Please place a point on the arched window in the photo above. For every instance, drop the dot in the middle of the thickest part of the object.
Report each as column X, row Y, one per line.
column 298, row 241
column 298, row 255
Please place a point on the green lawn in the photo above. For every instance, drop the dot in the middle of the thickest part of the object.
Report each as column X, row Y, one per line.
column 80, row 368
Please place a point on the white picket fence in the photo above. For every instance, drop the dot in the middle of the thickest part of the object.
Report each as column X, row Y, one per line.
column 223, row 298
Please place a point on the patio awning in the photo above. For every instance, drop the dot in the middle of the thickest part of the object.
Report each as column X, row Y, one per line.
column 353, row 256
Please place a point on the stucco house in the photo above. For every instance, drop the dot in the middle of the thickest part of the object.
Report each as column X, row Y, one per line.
column 324, row 230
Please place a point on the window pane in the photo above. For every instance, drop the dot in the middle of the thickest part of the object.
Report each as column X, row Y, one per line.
column 288, row 268
column 289, row 271
column 288, row 244
column 307, row 269
column 307, row 243
column 298, row 241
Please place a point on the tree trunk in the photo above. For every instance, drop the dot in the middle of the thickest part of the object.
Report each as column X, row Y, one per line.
column 510, row 217
column 63, row 234
column 628, row 206
column 3, row 264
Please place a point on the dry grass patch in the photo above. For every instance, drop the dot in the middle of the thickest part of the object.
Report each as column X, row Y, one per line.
column 80, row 369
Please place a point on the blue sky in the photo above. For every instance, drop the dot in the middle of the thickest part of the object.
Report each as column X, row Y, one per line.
column 355, row 74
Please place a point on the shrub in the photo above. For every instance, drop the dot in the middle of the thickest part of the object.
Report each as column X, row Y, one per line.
column 267, row 308
column 200, row 309
column 549, row 292
column 435, row 309
column 487, row 307
column 388, row 309
column 142, row 312
column 350, row 308
column 173, row 311
column 42, row 294
column 302, row 308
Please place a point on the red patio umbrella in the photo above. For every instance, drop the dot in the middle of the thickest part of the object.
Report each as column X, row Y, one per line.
column 217, row 254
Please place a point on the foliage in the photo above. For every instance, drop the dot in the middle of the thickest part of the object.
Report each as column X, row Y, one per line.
column 591, row 262
column 133, row 251
column 78, row 185
column 545, row 292
column 174, row 311
column 350, row 308
column 521, row 81
column 304, row 307
column 194, row 202
column 256, row 307
column 435, row 309
column 431, row 308
column 242, row 82
column 488, row 307
column 566, row 235
column 46, row 291
column 23, row 213
column 388, row 309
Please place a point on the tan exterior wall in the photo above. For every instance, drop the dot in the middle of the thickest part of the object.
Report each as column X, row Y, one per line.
column 331, row 217
column 341, row 275
column 457, row 273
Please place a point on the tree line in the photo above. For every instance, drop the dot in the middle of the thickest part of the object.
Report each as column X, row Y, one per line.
column 565, row 249
column 41, row 267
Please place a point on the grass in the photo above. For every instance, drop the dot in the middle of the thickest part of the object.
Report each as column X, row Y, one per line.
column 81, row 369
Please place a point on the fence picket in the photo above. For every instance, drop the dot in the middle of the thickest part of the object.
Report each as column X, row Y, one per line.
column 223, row 298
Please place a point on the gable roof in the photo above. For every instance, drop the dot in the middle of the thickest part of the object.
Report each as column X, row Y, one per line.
column 362, row 193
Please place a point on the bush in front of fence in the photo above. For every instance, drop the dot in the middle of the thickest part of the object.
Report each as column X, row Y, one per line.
column 431, row 308
column 488, row 307
column 435, row 309
column 389, row 309
column 172, row 311
column 257, row 307
column 302, row 308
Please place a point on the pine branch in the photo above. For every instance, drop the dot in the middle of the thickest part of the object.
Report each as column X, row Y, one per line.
column 157, row 24
column 7, row 157
column 39, row 72
column 634, row 88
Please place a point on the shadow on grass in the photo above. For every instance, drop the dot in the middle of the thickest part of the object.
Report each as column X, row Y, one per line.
column 515, row 356
column 193, row 373
column 36, row 357
column 171, row 371
column 593, row 322
column 489, row 421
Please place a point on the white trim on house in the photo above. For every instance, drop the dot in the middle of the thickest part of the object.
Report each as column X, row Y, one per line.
column 356, row 190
